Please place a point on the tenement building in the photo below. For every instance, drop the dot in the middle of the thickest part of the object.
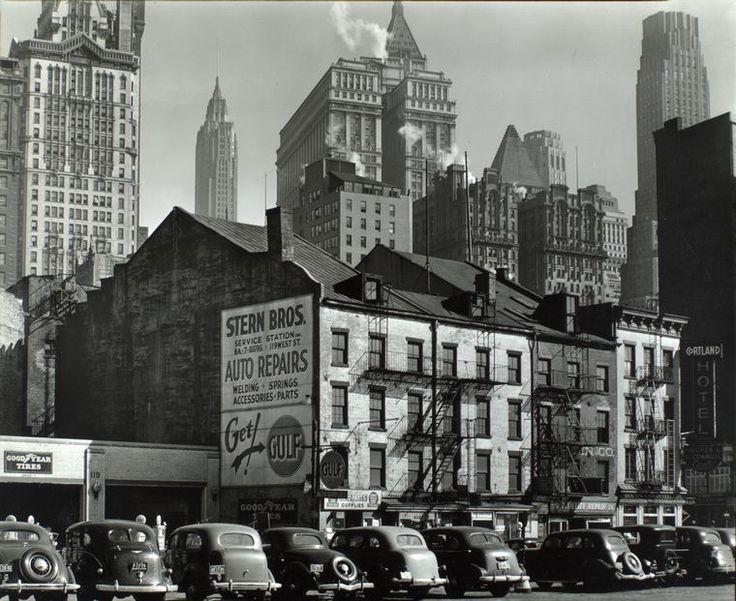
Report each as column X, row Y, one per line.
column 80, row 134
column 672, row 81
column 561, row 243
column 390, row 115
column 346, row 214
column 695, row 188
column 216, row 163
column 614, row 242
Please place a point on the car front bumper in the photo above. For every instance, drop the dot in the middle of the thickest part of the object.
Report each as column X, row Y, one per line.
column 495, row 578
column 231, row 585
column 330, row 588
column 638, row 577
column 40, row 587
column 133, row 589
column 409, row 582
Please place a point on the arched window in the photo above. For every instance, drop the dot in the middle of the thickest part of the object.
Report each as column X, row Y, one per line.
column 37, row 70
column 123, row 82
column 561, row 218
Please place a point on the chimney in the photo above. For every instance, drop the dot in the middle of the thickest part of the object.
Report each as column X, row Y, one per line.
column 280, row 233
column 502, row 274
column 485, row 284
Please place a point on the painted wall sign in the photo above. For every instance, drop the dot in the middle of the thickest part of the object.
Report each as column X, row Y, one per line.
column 332, row 469
column 360, row 500
column 700, row 455
column 35, row 463
column 268, row 512
column 596, row 452
column 583, row 507
column 267, row 366
column 704, row 350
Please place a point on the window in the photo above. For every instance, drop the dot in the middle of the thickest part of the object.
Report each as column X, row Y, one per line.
column 349, row 204
column 349, row 258
column 339, row 348
column 414, row 412
column 544, row 371
column 392, row 210
column 391, row 227
column 668, row 364
column 449, row 360
column 573, row 375
column 482, row 368
column 629, row 361
column 377, row 352
column 416, row 466
column 601, row 378
column 377, row 208
column 377, row 410
column 602, row 427
column 630, row 463
column 339, row 405
column 362, row 242
column 482, row 417
column 482, row 472
column 514, row 362
column 362, row 207
column 378, row 225
column 378, row 468
column 414, row 356
column 630, row 417
column 514, row 472
column 515, row 420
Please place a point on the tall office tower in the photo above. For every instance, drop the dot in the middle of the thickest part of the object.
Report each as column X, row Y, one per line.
column 547, row 155
column 389, row 115
column 216, row 168
column 672, row 81
column 11, row 90
column 81, row 111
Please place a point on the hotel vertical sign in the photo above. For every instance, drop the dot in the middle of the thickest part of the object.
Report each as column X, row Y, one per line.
column 265, row 419
column 703, row 360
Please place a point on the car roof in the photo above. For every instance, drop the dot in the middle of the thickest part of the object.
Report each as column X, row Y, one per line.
column 696, row 528
column 645, row 527
column 385, row 529
column 292, row 530
column 10, row 525
column 217, row 527
column 111, row 524
column 465, row 529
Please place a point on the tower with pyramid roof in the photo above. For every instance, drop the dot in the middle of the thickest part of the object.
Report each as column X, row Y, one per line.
column 216, row 168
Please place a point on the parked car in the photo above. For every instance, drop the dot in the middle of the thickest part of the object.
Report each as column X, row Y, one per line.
column 597, row 558
column 302, row 561
column 219, row 558
column 474, row 559
column 656, row 547
column 116, row 558
column 702, row 553
column 30, row 564
column 728, row 537
column 394, row 559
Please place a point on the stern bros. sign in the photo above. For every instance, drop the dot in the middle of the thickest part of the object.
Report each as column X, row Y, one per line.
column 267, row 363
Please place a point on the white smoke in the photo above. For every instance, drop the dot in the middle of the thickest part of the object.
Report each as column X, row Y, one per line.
column 450, row 156
column 359, row 166
column 302, row 177
column 520, row 190
column 354, row 31
column 411, row 133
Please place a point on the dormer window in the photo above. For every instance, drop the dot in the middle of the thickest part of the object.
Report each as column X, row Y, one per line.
column 371, row 289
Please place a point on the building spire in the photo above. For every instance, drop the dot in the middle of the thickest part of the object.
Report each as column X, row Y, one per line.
column 216, row 107
column 401, row 42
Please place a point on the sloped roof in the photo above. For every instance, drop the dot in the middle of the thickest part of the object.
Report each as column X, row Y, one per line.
column 513, row 163
column 401, row 42
column 352, row 177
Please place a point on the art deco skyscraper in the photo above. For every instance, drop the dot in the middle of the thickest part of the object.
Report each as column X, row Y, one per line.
column 216, row 169
column 672, row 81
column 80, row 134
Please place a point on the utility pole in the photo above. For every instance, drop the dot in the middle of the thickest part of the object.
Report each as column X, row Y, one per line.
column 426, row 219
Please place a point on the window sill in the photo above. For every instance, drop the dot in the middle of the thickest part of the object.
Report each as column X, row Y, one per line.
column 515, row 438
column 376, row 429
column 338, row 364
column 513, row 383
column 339, row 426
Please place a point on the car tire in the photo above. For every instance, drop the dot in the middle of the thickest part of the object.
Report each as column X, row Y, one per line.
column 499, row 590
column 26, row 565
column 293, row 585
column 418, row 592
column 632, row 564
column 454, row 588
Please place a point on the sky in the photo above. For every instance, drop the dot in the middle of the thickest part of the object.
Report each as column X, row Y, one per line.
column 565, row 66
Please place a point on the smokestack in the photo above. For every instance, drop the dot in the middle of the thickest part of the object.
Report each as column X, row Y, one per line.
column 280, row 233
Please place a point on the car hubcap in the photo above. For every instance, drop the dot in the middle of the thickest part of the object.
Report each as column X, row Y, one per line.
column 40, row 565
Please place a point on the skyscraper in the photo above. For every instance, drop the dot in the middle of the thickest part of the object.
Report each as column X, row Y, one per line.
column 80, row 134
column 672, row 81
column 548, row 156
column 216, row 169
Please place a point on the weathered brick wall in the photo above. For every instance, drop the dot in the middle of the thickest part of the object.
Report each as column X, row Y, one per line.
column 141, row 361
column 12, row 361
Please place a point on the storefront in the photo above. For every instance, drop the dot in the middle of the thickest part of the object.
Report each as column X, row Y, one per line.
column 346, row 508
column 61, row 481
column 639, row 506
column 568, row 514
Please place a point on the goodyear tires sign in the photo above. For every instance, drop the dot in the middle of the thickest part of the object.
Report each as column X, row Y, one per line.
column 267, row 366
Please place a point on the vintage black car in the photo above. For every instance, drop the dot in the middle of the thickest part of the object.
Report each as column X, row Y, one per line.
column 302, row 561
column 219, row 558
column 30, row 564
column 728, row 537
column 702, row 553
column 116, row 558
column 394, row 559
column 597, row 558
column 474, row 559
column 656, row 547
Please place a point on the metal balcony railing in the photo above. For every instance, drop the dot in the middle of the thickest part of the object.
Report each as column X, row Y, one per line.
column 568, row 381
column 649, row 425
column 655, row 374
column 566, row 434
column 651, row 478
column 412, row 365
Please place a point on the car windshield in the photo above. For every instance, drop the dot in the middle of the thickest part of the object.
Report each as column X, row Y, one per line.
column 485, row 538
column 306, row 539
column 711, row 537
column 237, row 539
column 19, row 536
column 127, row 535
column 409, row 540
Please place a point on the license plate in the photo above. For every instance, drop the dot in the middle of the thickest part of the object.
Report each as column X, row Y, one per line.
column 504, row 565
column 139, row 566
column 405, row 575
column 217, row 570
column 5, row 568
column 316, row 567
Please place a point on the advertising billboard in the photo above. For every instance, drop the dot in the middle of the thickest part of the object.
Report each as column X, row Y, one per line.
column 266, row 415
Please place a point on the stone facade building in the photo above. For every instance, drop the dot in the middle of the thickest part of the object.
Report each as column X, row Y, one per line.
column 614, row 242
column 547, row 155
column 80, row 129
column 216, row 163
column 672, row 81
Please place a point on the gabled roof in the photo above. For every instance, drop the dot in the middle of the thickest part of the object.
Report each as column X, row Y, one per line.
column 401, row 42
column 512, row 162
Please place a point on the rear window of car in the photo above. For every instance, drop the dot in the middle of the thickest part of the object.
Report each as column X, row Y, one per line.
column 616, row 540
column 485, row 538
column 409, row 540
column 21, row 536
column 666, row 536
column 236, row 539
column 711, row 537
column 552, row 542
column 126, row 535
column 305, row 539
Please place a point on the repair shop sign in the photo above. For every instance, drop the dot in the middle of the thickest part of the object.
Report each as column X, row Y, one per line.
column 18, row 462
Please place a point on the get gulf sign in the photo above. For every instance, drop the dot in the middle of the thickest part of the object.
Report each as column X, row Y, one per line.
column 285, row 446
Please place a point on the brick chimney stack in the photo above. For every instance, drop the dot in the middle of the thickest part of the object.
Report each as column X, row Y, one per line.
column 280, row 233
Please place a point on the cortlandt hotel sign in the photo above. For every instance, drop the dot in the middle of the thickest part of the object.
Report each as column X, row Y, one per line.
column 703, row 360
column 19, row 462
